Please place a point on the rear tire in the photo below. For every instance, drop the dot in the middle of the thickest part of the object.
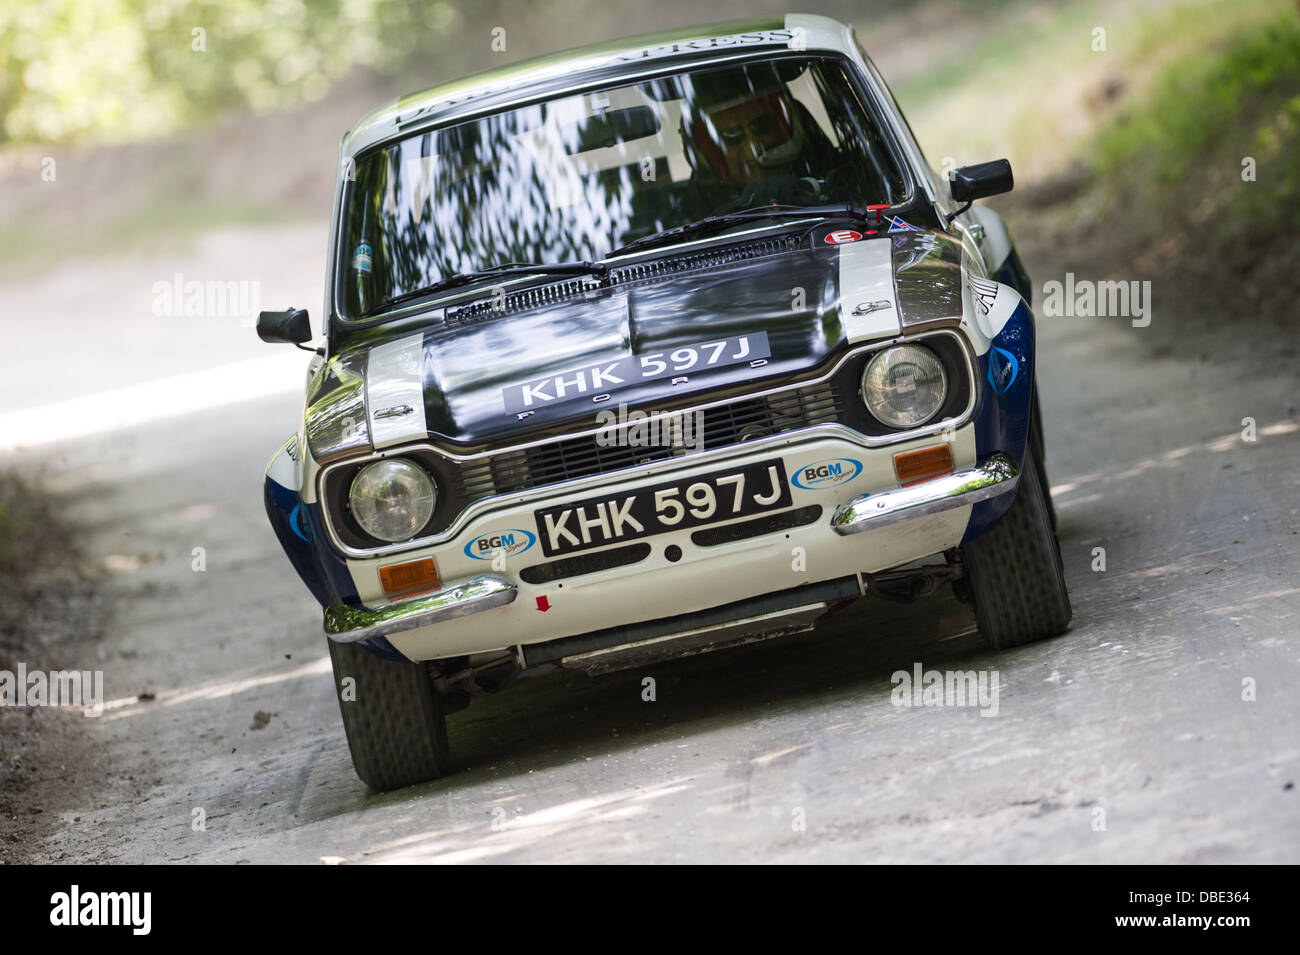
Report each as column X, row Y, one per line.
column 1014, row 571
column 392, row 715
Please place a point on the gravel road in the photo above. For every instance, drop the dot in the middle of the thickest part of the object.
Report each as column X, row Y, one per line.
column 1126, row 740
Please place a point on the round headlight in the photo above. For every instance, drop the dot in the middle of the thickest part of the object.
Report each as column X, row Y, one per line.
column 392, row 499
column 904, row 386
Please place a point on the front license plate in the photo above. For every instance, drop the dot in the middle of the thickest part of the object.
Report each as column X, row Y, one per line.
column 690, row 502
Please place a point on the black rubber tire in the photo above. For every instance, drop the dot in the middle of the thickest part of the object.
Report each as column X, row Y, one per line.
column 1014, row 571
column 395, row 724
column 1040, row 454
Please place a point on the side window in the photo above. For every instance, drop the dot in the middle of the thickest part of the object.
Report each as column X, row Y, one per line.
column 971, row 258
column 804, row 91
column 854, row 122
column 927, row 171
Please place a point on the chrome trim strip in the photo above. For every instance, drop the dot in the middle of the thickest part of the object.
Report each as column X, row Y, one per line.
column 998, row 475
column 650, row 470
column 346, row 624
column 593, row 481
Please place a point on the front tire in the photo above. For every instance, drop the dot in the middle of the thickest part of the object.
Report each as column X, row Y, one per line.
column 1040, row 454
column 1014, row 571
column 392, row 715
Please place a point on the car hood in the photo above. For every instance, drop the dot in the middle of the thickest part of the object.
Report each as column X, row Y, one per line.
column 557, row 355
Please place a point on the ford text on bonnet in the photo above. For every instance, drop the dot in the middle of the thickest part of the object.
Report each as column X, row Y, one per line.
column 646, row 349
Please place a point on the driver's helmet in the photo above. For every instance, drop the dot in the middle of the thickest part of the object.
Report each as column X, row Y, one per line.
column 743, row 125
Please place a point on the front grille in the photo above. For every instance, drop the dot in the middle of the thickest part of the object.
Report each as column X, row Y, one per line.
column 553, row 293
column 549, row 294
column 619, row 447
column 707, row 259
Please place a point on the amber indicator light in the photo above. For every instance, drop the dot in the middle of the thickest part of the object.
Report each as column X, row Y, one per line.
column 913, row 467
column 412, row 575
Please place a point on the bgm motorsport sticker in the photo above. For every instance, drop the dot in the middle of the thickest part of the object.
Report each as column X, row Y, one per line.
column 831, row 472
column 496, row 543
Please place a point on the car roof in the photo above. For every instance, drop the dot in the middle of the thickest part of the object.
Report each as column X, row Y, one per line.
column 625, row 58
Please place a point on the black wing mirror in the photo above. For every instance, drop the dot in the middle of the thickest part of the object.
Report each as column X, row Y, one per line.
column 982, row 179
column 291, row 326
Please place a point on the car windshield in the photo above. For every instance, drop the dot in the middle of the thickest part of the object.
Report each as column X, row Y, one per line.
column 574, row 178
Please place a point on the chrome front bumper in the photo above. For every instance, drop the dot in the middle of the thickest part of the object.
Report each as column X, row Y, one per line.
column 997, row 475
column 350, row 624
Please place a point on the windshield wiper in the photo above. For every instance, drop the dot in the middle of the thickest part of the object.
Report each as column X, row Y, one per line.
column 721, row 221
column 459, row 279
column 701, row 227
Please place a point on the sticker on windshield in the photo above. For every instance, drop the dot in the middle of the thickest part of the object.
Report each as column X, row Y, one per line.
column 600, row 378
column 898, row 225
column 362, row 257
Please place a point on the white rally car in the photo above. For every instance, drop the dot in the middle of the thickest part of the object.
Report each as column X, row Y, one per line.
column 646, row 349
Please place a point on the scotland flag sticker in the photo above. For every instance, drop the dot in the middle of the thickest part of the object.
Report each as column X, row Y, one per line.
column 898, row 225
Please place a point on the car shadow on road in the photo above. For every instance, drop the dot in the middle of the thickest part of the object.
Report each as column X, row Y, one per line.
column 561, row 717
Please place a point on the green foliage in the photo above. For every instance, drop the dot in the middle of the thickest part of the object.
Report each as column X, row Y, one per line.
column 128, row 69
column 1215, row 108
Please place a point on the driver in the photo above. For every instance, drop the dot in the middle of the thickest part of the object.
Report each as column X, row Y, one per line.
column 751, row 137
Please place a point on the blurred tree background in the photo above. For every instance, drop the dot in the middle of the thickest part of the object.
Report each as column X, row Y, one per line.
column 121, row 70
column 167, row 118
column 116, row 70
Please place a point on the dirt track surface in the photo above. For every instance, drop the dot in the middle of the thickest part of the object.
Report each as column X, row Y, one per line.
column 1137, row 711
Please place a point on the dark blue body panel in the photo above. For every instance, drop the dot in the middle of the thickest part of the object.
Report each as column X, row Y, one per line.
column 326, row 575
column 1006, row 381
column 1012, row 272
column 295, row 524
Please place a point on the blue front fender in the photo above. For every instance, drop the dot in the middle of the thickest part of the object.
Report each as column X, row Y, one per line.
column 297, row 527
column 1006, row 383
